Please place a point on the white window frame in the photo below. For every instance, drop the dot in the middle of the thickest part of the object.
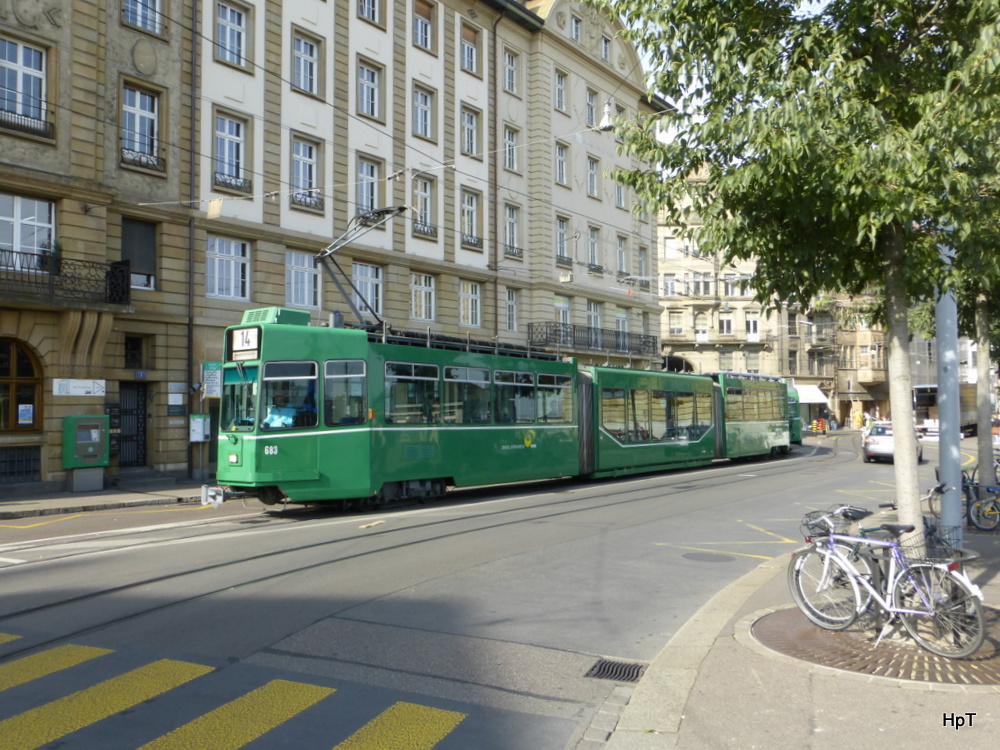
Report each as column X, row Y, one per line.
column 512, row 227
column 140, row 121
column 561, row 85
column 422, row 296
column 511, row 148
column 590, row 108
column 367, row 280
column 562, row 237
column 231, row 33
column 605, row 47
column 675, row 323
column 471, row 218
column 27, row 99
column 301, row 280
column 227, row 268
column 370, row 10
column 470, row 131
column 593, row 177
column 512, row 310
column 423, row 27
column 30, row 223
column 562, row 164
column 305, row 173
column 594, row 246
column 306, row 62
column 511, row 71
column 470, row 304
column 469, row 48
column 575, row 28
column 669, row 285
column 622, row 254
column 725, row 324
column 369, row 89
column 620, row 193
column 144, row 14
column 369, row 172
column 423, row 112
column 423, row 204
column 229, row 146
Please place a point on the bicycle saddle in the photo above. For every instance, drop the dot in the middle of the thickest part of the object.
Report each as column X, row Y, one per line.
column 898, row 529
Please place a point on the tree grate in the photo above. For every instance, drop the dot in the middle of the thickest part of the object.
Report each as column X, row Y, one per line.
column 620, row 671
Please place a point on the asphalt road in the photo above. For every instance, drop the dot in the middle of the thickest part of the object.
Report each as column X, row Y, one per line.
column 467, row 623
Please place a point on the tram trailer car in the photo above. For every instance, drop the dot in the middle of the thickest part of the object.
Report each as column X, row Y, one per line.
column 314, row 414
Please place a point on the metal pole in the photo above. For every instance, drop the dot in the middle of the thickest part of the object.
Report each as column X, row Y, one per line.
column 949, row 428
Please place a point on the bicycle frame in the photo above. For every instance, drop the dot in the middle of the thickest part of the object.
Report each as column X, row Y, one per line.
column 898, row 567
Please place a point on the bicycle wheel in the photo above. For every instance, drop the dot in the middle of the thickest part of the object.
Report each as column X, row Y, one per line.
column 826, row 594
column 985, row 514
column 934, row 504
column 955, row 625
column 865, row 567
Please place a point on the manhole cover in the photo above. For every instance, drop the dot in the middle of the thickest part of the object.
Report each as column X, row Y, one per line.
column 788, row 632
column 707, row 557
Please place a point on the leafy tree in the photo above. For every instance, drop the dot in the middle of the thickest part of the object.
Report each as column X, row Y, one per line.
column 838, row 144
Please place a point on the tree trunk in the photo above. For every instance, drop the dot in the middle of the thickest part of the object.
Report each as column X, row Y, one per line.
column 900, row 381
column 986, row 474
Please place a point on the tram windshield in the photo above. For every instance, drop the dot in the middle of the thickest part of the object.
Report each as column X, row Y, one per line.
column 239, row 398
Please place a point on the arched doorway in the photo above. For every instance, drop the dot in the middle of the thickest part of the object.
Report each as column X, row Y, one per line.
column 20, row 412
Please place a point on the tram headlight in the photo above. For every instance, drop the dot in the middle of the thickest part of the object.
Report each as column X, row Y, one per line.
column 233, row 458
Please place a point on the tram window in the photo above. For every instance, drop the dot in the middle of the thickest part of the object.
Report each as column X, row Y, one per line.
column 613, row 411
column 734, row 404
column 466, row 395
column 664, row 415
column 751, row 408
column 344, row 392
column 412, row 393
column 685, row 414
column 638, row 412
column 289, row 395
column 239, row 399
column 515, row 397
column 703, row 411
column 555, row 398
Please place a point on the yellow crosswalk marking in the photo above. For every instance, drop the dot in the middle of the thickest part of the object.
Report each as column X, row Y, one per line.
column 404, row 725
column 7, row 637
column 39, row 665
column 245, row 719
column 38, row 726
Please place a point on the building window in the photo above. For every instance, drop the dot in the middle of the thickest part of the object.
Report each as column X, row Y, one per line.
column 669, row 285
column 231, row 33
column 753, row 360
column 471, row 234
column 139, row 249
column 421, row 296
column 22, row 95
column 227, row 268
column 725, row 324
column 511, row 65
column 512, row 310
column 141, row 129
column 305, row 174
column 369, row 89
column 512, row 231
column 370, row 10
column 305, row 64
column 143, row 14
column 593, row 324
column 368, row 283
column 605, row 48
column 423, row 203
column 620, row 193
column 133, row 356
column 643, row 265
column 700, row 327
column 562, row 238
column 27, row 231
column 594, row 248
column 593, row 177
column 511, row 139
column 470, row 49
column 753, row 327
column 368, row 185
column 590, row 108
column 423, row 24
column 562, row 164
column 793, row 362
column 675, row 323
column 301, row 279
column 560, row 91
column 726, row 360
column 622, row 254
column 423, row 113
column 575, row 28
column 20, row 389
column 470, row 132
column 230, row 154
column 470, row 298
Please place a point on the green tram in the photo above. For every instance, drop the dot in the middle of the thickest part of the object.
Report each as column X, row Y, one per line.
column 754, row 414
column 317, row 414
column 794, row 416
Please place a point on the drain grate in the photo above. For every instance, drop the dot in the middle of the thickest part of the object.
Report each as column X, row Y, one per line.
column 620, row 671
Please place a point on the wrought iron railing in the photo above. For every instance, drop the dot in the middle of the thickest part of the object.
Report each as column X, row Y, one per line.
column 232, row 182
column 152, row 159
column 422, row 229
column 574, row 337
column 306, row 199
column 53, row 279
column 41, row 123
column 472, row 240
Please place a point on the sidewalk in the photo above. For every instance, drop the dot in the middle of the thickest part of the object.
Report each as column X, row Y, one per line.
column 715, row 685
column 54, row 503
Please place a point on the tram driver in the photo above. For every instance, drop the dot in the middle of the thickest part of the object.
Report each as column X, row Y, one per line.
column 280, row 413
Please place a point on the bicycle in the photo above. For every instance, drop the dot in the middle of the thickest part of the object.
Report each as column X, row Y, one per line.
column 934, row 600
column 983, row 514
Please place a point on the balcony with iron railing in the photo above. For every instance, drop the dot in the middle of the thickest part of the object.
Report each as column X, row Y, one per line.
column 51, row 279
column 585, row 338
column 472, row 241
column 30, row 120
column 238, row 183
column 144, row 158
column 425, row 230
column 306, row 199
column 512, row 251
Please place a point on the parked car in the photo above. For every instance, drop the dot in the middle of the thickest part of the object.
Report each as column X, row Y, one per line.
column 878, row 442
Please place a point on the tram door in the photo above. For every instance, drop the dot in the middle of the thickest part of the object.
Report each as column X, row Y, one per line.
column 132, row 441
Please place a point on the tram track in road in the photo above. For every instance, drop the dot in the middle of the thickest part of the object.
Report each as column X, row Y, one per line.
column 381, row 539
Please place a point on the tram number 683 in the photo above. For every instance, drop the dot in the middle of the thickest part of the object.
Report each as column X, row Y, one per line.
column 270, row 450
